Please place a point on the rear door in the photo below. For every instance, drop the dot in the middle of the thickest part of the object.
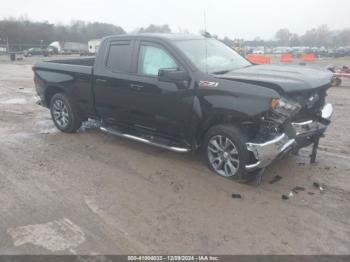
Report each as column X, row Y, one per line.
column 113, row 98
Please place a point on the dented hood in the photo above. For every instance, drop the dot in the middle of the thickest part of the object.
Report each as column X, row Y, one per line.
column 287, row 78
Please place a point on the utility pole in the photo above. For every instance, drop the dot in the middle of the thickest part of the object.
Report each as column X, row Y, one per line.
column 8, row 48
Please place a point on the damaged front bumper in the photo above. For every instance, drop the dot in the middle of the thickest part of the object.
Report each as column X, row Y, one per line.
column 268, row 151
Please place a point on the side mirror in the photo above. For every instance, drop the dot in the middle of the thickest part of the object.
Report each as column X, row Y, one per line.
column 179, row 77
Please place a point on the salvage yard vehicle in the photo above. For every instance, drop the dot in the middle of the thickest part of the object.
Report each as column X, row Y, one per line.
column 338, row 74
column 184, row 93
column 35, row 51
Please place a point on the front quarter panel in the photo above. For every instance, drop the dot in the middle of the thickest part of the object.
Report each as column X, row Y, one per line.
column 233, row 100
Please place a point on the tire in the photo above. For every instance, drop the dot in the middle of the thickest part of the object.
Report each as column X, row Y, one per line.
column 235, row 152
column 337, row 82
column 64, row 114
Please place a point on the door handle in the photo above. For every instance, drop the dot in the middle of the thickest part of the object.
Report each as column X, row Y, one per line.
column 136, row 87
column 99, row 80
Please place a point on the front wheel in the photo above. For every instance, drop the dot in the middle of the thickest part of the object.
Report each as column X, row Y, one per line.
column 226, row 152
column 64, row 114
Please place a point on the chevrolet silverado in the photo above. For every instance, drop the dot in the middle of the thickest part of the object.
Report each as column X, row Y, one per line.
column 184, row 93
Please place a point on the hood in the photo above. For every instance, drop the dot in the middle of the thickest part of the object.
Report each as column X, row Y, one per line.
column 286, row 78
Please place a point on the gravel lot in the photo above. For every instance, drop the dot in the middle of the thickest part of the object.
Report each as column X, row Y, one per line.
column 92, row 193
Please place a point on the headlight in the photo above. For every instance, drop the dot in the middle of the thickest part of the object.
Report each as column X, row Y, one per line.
column 282, row 105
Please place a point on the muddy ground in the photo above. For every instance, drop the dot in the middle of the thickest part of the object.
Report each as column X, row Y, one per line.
column 92, row 193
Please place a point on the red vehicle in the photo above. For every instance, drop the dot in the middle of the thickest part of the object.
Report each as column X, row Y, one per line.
column 338, row 74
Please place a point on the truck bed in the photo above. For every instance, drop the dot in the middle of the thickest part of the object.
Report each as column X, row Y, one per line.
column 78, row 61
column 80, row 65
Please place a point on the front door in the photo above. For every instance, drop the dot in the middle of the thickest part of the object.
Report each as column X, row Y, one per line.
column 162, row 107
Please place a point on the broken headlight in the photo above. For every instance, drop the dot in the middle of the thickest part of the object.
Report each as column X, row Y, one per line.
column 284, row 106
column 283, row 109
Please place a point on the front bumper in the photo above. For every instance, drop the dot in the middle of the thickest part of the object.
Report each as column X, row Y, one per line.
column 268, row 151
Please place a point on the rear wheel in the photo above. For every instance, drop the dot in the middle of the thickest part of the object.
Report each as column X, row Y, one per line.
column 226, row 152
column 64, row 114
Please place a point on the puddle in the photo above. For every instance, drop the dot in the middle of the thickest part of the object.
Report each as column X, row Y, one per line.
column 45, row 127
column 14, row 101
column 90, row 124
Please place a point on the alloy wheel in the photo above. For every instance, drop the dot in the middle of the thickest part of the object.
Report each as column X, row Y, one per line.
column 60, row 113
column 223, row 156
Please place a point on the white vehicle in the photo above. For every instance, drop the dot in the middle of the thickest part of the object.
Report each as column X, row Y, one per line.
column 94, row 45
column 3, row 49
column 70, row 47
column 259, row 51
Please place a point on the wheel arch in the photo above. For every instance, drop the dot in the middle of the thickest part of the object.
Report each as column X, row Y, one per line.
column 51, row 91
column 239, row 121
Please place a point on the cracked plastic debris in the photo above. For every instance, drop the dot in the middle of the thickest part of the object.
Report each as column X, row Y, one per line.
column 297, row 189
column 237, row 196
column 275, row 179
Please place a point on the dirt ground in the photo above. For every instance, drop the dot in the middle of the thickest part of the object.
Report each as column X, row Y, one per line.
column 93, row 193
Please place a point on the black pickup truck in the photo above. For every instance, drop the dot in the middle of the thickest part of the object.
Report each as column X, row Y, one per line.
column 183, row 93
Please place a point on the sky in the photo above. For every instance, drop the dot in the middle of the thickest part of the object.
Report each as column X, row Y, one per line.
column 245, row 19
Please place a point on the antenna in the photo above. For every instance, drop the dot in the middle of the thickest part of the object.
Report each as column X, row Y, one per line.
column 206, row 42
column 205, row 22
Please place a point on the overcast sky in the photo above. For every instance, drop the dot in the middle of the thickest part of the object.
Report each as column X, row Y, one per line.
column 234, row 18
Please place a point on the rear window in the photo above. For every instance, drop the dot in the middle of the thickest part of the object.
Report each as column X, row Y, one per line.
column 119, row 57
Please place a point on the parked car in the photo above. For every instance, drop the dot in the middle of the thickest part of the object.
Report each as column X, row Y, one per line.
column 259, row 51
column 186, row 93
column 36, row 51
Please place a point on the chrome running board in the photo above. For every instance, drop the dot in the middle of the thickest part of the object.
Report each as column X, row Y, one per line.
column 143, row 140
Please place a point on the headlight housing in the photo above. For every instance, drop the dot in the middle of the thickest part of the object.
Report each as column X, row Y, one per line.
column 282, row 105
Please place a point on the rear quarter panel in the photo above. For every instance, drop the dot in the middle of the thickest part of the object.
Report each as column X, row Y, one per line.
column 75, row 81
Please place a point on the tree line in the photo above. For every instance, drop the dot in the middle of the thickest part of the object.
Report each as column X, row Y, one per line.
column 22, row 33
column 321, row 36
column 318, row 37
column 27, row 33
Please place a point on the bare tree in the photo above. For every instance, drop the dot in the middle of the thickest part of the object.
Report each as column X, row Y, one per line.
column 284, row 36
column 23, row 34
column 155, row 29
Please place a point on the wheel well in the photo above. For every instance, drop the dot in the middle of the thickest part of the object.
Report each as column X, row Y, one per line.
column 248, row 127
column 51, row 91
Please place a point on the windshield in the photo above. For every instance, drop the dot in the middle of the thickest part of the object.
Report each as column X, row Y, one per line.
column 212, row 56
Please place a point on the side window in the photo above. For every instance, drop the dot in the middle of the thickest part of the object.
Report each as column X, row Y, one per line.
column 119, row 57
column 151, row 59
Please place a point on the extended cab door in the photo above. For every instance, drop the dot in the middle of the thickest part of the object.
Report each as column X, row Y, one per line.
column 112, row 79
column 161, row 107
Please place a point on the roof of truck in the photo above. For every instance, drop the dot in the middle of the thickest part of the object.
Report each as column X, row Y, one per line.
column 171, row 37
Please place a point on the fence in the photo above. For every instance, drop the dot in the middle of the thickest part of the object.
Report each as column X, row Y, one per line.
column 286, row 58
column 259, row 59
